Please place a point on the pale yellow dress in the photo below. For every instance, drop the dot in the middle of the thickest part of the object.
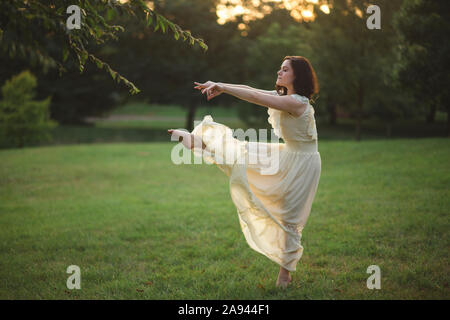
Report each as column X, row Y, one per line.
column 272, row 207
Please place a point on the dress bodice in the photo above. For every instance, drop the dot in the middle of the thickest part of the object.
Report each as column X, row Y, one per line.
column 292, row 128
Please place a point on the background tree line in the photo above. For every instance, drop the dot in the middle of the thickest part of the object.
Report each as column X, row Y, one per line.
column 397, row 72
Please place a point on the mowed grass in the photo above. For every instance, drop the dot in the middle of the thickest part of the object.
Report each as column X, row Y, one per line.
column 141, row 227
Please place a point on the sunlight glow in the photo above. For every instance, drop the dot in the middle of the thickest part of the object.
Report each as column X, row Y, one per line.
column 238, row 10
column 307, row 13
column 325, row 8
column 227, row 10
column 300, row 10
column 150, row 4
column 296, row 14
column 226, row 13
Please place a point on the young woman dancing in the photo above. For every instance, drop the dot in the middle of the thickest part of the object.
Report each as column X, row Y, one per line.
column 272, row 208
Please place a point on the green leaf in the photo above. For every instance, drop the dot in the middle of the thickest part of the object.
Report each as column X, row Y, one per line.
column 149, row 20
column 163, row 24
column 112, row 73
column 157, row 23
column 84, row 56
column 110, row 14
column 99, row 64
column 172, row 26
column 65, row 53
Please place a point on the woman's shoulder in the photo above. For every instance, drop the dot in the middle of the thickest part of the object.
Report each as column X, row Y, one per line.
column 296, row 96
column 300, row 98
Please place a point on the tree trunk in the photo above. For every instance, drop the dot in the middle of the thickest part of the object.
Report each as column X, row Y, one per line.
column 432, row 113
column 388, row 130
column 332, row 111
column 358, row 126
column 359, row 108
column 448, row 120
column 190, row 116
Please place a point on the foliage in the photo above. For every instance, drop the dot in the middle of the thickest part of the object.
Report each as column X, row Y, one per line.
column 278, row 38
column 354, row 63
column 165, row 70
column 23, row 121
column 24, row 26
column 424, row 51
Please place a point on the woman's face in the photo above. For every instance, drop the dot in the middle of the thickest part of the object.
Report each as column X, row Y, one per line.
column 285, row 74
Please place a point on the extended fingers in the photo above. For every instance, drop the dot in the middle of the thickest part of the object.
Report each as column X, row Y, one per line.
column 202, row 85
column 209, row 89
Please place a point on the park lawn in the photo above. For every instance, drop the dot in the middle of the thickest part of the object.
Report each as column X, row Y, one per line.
column 141, row 227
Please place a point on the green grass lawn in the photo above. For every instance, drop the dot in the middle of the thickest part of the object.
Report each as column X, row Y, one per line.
column 140, row 227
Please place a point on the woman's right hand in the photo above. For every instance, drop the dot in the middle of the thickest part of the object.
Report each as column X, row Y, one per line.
column 203, row 86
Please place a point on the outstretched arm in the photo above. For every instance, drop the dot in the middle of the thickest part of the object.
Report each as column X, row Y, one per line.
column 284, row 103
column 247, row 87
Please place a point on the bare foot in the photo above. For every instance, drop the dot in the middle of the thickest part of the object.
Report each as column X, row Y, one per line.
column 186, row 138
column 182, row 136
column 283, row 280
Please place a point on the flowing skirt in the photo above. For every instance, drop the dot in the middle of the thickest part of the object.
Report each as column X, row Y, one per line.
column 272, row 185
